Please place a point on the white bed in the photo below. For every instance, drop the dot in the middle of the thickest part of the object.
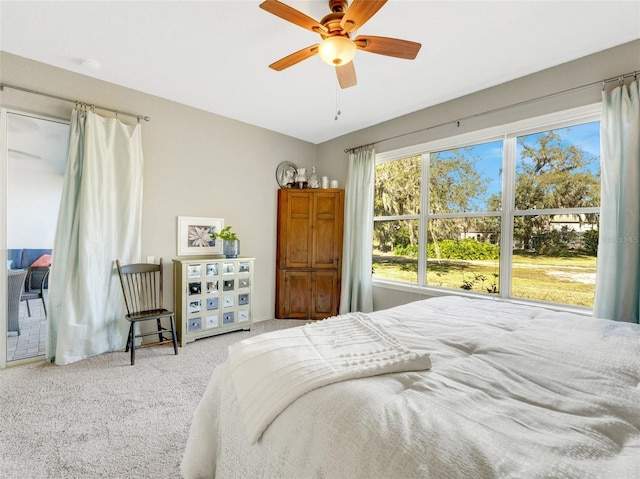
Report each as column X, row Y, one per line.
column 513, row 392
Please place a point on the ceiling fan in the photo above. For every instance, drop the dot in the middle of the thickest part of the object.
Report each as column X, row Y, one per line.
column 337, row 48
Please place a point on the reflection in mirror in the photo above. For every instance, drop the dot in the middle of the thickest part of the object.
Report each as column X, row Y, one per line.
column 37, row 151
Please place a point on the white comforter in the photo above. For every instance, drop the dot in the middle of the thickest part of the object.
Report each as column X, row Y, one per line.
column 271, row 371
column 513, row 392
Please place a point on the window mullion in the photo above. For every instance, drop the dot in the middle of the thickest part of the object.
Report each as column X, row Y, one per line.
column 506, row 222
column 424, row 211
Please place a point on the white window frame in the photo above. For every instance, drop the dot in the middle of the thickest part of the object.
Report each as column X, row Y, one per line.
column 508, row 133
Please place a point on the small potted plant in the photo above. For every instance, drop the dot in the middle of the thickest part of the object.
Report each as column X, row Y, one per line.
column 230, row 242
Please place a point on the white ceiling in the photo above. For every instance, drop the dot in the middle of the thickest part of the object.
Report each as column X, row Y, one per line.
column 34, row 143
column 214, row 55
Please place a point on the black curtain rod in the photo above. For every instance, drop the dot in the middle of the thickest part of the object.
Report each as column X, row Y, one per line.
column 620, row 79
column 35, row 92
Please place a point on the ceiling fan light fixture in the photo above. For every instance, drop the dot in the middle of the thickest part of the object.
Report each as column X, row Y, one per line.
column 337, row 50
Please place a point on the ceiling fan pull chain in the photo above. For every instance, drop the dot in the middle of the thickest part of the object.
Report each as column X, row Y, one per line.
column 338, row 112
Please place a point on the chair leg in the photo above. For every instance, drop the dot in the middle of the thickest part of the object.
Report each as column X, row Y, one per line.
column 44, row 306
column 126, row 350
column 133, row 343
column 160, row 337
column 28, row 309
column 173, row 335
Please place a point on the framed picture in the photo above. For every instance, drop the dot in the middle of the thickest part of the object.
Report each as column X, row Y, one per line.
column 195, row 235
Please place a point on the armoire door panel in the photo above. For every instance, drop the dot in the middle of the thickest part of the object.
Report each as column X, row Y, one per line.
column 299, row 205
column 325, row 205
column 324, row 248
column 298, row 243
column 299, row 234
column 324, row 294
column 327, row 234
column 297, row 294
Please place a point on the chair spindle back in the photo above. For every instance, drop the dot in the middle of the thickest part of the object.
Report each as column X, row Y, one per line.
column 141, row 286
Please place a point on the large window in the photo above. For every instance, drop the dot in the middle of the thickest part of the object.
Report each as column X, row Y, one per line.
column 512, row 213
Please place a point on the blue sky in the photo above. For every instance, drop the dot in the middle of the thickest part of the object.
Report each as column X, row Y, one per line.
column 586, row 136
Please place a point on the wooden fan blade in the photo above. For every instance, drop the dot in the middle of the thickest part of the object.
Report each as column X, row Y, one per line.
column 294, row 58
column 346, row 75
column 359, row 12
column 292, row 15
column 392, row 47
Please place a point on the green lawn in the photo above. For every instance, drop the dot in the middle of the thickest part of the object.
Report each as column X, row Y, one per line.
column 569, row 279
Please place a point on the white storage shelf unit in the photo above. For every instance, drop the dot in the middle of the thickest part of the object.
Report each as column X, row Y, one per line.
column 212, row 295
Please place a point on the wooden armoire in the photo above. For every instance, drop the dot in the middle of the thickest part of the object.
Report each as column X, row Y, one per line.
column 309, row 253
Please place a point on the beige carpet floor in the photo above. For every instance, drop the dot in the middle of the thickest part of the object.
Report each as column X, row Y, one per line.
column 102, row 417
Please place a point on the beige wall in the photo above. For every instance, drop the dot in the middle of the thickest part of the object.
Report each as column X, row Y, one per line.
column 594, row 68
column 201, row 164
column 196, row 164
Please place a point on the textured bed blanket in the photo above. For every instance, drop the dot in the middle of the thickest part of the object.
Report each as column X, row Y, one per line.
column 514, row 392
column 272, row 370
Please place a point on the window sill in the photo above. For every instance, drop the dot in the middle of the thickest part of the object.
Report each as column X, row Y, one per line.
column 431, row 292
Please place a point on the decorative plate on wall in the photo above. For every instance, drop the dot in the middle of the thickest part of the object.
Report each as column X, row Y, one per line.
column 286, row 173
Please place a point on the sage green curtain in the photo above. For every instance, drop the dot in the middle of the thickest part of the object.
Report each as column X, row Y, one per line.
column 618, row 267
column 357, row 294
column 100, row 221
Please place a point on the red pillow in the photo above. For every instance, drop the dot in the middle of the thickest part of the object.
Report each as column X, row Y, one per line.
column 44, row 260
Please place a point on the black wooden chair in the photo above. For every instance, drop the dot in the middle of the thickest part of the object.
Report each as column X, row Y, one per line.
column 34, row 286
column 142, row 290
